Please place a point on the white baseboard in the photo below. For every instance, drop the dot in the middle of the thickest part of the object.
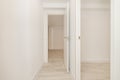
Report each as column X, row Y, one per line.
column 37, row 73
column 96, row 61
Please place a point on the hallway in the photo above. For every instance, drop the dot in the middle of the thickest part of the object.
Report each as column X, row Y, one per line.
column 55, row 69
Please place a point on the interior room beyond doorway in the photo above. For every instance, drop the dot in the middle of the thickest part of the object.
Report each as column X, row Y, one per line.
column 56, row 38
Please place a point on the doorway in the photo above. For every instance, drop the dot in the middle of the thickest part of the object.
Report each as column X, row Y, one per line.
column 95, row 40
column 56, row 40
column 60, row 40
column 56, row 44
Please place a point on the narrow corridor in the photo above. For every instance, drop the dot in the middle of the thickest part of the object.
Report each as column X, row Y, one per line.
column 55, row 69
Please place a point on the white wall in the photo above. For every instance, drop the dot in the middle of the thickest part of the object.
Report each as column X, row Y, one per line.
column 36, row 35
column 95, row 31
column 11, row 64
column 20, row 39
column 56, row 31
column 115, row 40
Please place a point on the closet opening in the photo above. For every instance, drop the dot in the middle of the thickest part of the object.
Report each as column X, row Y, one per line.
column 56, row 41
column 95, row 39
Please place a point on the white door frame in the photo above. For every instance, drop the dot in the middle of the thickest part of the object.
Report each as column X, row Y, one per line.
column 48, row 12
column 78, row 41
column 58, row 9
column 115, row 40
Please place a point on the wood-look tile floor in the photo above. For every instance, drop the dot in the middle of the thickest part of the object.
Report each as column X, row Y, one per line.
column 55, row 69
column 95, row 71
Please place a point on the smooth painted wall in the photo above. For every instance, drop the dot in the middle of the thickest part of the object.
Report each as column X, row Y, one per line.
column 20, row 39
column 36, row 36
column 14, row 65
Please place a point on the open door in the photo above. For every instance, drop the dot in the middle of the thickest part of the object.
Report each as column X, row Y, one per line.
column 66, row 38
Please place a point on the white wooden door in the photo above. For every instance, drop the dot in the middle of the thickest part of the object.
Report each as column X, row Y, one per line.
column 115, row 40
column 66, row 38
column 78, row 47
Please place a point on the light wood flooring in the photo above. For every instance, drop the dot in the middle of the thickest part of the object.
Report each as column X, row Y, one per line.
column 95, row 71
column 55, row 69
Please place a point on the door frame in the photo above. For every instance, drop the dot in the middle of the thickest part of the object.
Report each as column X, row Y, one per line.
column 78, row 41
column 115, row 40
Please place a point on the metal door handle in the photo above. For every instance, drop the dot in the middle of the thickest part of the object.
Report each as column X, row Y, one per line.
column 78, row 37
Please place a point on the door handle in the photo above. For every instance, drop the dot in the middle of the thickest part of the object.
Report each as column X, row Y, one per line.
column 78, row 37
